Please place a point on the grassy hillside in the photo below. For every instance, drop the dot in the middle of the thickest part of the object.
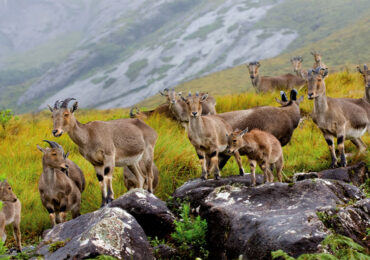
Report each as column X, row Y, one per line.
column 174, row 155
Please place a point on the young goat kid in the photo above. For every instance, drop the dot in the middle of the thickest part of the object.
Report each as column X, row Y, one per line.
column 260, row 147
column 60, row 184
column 208, row 136
column 10, row 213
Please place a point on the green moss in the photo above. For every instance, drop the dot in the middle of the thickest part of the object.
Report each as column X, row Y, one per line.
column 56, row 245
column 336, row 246
column 232, row 28
column 109, row 82
column 99, row 80
column 203, row 31
column 135, row 68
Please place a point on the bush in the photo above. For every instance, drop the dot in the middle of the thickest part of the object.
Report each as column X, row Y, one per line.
column 5, row 116
column 190, row 235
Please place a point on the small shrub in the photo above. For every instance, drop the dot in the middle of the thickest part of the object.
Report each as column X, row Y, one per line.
column 3, row 250
column 190, row 235
column 5, row 116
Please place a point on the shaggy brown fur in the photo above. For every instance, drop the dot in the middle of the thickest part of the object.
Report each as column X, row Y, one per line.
column 260, row 147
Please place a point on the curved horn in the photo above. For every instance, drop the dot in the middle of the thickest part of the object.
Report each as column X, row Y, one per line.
column 56, row 104
column 66, row 101
column 197, row 93
column 293, row 94
column 189, row 94
column 283, row 96
column 132, row 115
column 365, row 67
column 53, row 144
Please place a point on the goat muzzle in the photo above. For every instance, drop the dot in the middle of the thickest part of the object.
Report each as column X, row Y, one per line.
column 57, row 132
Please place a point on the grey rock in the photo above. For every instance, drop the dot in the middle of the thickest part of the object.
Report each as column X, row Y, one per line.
column 108, row 231
column 356, row 174
column 164, row 252
column 151, row 213
column 196, row 190
column 253, row 221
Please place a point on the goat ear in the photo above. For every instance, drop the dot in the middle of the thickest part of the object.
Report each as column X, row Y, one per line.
column 74, row 107
column 204, row 97
column 41, row 149
column 50, row 108
column 243, row 132
column 183, row 99
column 66, row 155
column 162, row 94
column 179, row 93
column 324, row 72
column 227, row 135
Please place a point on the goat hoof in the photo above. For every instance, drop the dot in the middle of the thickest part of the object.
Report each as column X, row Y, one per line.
column 217, row 177
column 109, row 200
column 203, row 178
column 342, row 164
column 241, row 173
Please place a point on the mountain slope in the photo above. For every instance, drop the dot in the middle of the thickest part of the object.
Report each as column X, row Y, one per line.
column 344, row 49
column 121, row 52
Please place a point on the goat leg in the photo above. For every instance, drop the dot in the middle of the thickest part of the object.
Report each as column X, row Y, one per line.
column 253, row 164
column 239, row 162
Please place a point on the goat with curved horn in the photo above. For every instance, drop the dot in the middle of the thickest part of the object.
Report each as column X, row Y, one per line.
column 116, row 143
column 63, row 179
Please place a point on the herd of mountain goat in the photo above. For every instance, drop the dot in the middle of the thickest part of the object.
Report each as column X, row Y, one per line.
column 258, row 133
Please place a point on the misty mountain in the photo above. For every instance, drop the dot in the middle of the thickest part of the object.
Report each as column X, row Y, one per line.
column 116, row 53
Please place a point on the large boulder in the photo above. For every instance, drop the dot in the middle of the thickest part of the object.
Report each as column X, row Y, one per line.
column 151, row 213
column 196, row 190
column 253, row 221
column 355, row 174
column 108, row 231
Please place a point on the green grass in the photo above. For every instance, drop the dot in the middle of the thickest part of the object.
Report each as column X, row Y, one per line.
column 174, row 155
